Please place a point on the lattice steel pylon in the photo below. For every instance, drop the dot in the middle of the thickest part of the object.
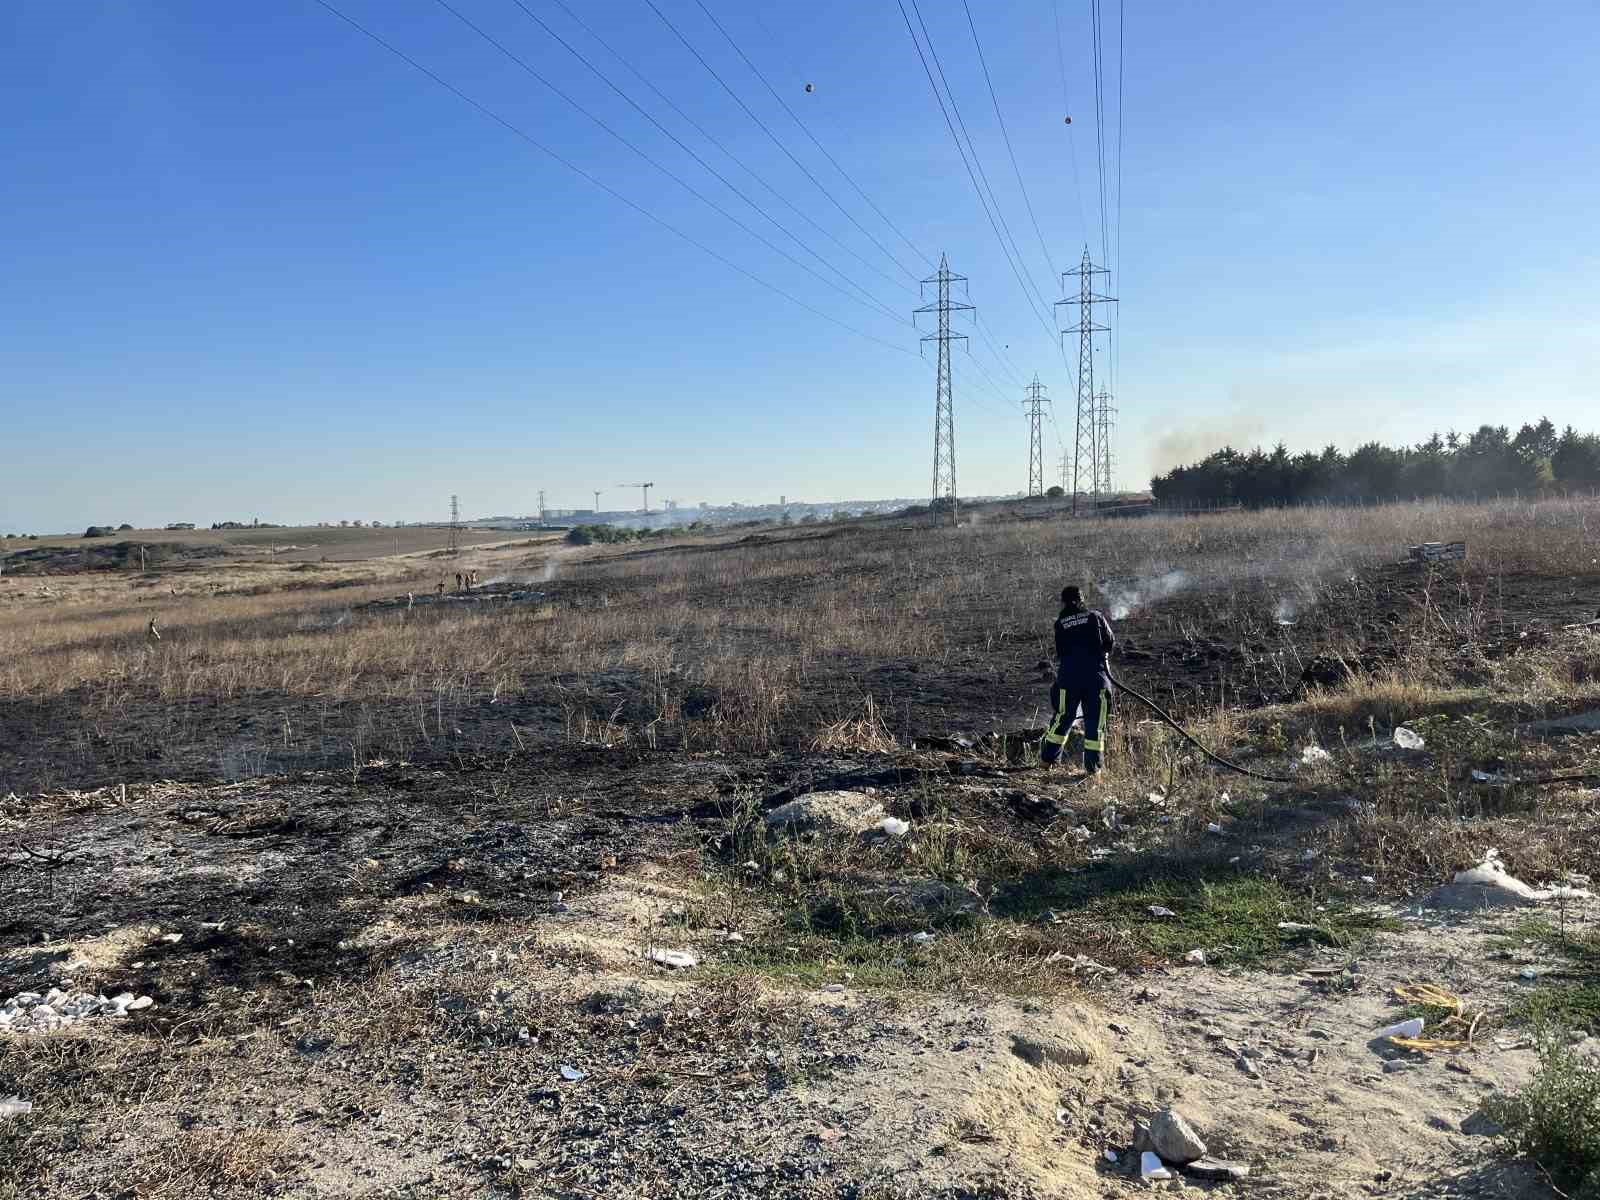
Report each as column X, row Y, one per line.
column 1087, row 465
column 944, row 420
column 1105, row 428
column 1035, row 392
column 455, row 525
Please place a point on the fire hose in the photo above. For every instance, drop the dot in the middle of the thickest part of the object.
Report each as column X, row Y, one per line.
column 1189, row 737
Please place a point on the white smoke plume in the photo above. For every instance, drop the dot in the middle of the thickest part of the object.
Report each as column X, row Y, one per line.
column 1124, row 599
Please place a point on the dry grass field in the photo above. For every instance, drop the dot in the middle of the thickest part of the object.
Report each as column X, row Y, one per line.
column 419, row 850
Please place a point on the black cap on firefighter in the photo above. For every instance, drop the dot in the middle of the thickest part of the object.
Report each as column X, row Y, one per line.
column 1071, row 597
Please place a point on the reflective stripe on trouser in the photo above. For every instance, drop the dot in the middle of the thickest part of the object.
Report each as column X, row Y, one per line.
column 1096, row 706
column 1094, row 729
column 1055, row 736
column 1094, row 722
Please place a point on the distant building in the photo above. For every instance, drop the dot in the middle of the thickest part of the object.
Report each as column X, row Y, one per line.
column 181, row 525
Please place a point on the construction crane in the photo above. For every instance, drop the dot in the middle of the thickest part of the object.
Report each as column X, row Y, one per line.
column 644, row 493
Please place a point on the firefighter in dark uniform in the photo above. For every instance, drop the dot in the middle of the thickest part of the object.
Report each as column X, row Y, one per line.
column 1083, row 640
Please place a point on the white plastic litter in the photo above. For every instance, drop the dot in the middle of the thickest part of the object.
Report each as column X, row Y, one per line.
column 573, row 1075
column 14, row 1106
column 1491, row 872
column 1295, row 927
column 923, row 938
column 1157, row 798
column 1408, row 739
column 1484, row 777
column 1111, row 1155
column 894, row 827
column 1061, row 1115
column 733, row 936
column 1528, row 973
column 678, row 960
column 1314, row 754
column 175, row 938
column 1158, row 911
column 31, row 1012
column 1224, row 799
column 1214, row 829
column 1196, row 958
column 1151, row 1168
column 1404, row 1029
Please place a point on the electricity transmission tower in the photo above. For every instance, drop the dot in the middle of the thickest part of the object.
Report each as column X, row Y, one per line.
column 597, row 501
column 944, row 421
column 1036, row 396
column 1089, row 468
column 541, row 507
column 644, row 493
column 1105, row 426
column 1066, row 469
column 455, row 525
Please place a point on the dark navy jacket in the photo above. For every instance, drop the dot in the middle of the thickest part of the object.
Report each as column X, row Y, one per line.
column 1083, row 639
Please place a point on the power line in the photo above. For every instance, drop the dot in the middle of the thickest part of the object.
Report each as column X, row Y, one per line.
column 677, row 141
column 689, row 239
column 1016, row 170
column 1100, row 124
column 1116, row 263
column 961, row 150
column 805, row 170
column 977, row 162
column 804, row 128
column 522, row 63
column 1005, row 365
column 1066, row 110
column 525, row 136
column 776, row 193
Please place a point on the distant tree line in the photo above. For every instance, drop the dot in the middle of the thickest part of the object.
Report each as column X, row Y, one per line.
column 1489, row 462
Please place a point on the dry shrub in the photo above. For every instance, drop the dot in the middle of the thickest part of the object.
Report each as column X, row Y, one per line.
column 210, row 1162
column 864, row 732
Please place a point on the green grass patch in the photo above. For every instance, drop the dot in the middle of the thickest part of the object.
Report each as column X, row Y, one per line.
column 1569, row 997
column 1233, row 917
column 845, row 937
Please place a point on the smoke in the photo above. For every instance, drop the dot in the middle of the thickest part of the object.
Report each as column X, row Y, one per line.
column 1125, row 599
column 1181, row 447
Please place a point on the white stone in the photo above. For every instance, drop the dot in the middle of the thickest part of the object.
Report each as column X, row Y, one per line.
column 1152, row 1169
column 678, row 960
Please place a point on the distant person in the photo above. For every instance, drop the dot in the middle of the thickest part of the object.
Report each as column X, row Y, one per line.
column 441, row 585
column 460, row 582
column 1083, row 681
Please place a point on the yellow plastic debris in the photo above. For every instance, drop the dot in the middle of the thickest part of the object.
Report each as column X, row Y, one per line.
column 1458, row 1027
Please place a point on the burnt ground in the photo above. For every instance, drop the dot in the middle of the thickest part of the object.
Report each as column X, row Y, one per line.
column 1188, row 651
column 380, row 977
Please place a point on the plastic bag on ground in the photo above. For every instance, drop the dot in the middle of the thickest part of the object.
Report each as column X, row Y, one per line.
column 1408, row 739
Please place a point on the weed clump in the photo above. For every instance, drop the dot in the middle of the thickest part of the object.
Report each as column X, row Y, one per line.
column 1555, row 1119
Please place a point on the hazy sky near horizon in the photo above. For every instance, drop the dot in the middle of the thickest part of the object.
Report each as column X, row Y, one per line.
column 257, row 266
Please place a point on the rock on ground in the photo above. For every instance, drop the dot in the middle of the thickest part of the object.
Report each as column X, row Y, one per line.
column 1174, row 1139
column 828, row 812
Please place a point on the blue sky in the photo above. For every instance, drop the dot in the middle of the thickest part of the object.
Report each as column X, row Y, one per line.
column 257, row 266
